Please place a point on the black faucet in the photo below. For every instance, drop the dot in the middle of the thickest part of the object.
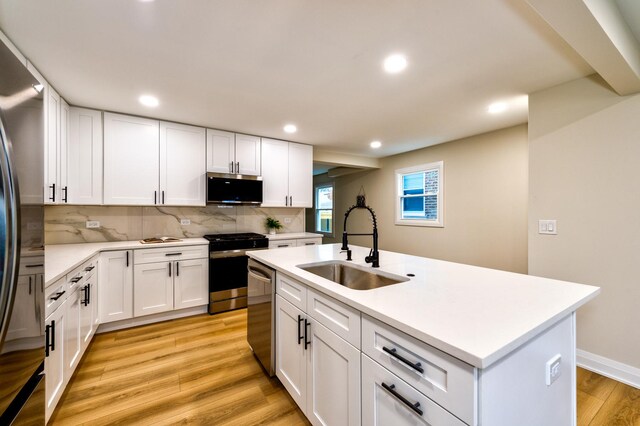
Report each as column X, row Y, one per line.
column 374, row 255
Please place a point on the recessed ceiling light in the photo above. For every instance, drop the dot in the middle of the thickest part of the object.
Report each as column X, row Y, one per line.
column 497, row 107
column 148, row 100
column 290, row 128
column 395, row 63
column 375, row 144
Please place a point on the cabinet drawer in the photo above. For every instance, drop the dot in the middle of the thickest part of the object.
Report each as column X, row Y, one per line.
column 164, row 254
column 292, row 291
column 55, row 295
column 445, row 379
column 343, row 320
column 382, row 404
column 75, row 278
column 30, row 265
column 308, row 242
column 282, row 244
column 90, row 268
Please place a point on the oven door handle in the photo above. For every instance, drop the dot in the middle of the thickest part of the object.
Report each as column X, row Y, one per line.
column 258, row 276
column 231, row 253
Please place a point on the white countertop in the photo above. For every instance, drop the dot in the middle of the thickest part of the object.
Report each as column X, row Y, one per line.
column 475, row 314
column 293, row 236
column 59, row 259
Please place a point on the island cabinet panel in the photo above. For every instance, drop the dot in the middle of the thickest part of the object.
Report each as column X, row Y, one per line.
column 389, row 400
column 439, row 376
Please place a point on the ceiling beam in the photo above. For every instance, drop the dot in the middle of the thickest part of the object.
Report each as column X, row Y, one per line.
column 597, row 30
column 346, row 160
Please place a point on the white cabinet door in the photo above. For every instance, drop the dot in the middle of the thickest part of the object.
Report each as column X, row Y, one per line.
column 24, row 322
column 191, row 283
column 300, row 175
column 94, row 300
column 275, row 173
column 73, row 346
column 86, row 313
column 153, row 288
column 291, row 360
column 333, row 379
column 116, row 292
column 220, row 151
column 51, row 145
column 63, row 170
column 247, row 154
column 84, row 157
column 54, row 363
column 131, row 160
column 182, row 165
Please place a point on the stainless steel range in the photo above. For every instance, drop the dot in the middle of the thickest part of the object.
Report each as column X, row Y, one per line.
column 228, row 268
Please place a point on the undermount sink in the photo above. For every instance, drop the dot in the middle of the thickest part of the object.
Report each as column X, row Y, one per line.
column 352, row 276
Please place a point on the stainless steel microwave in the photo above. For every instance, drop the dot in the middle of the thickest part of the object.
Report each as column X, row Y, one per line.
column 233, row 189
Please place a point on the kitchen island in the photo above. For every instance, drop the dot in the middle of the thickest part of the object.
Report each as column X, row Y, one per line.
column 485, row 342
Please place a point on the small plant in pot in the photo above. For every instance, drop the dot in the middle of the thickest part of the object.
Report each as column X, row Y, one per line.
column 272, row 225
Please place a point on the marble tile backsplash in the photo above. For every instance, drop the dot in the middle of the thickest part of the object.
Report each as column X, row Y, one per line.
column 67, row 224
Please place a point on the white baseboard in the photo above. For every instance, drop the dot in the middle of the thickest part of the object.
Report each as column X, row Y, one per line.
column 149, row 319
column 607, row 367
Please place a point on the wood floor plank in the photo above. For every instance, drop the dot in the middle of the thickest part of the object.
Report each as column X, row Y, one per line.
column 200, row 370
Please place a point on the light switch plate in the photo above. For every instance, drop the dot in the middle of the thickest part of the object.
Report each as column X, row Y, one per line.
column 93, row 224
column 548, row 227
column 287, row 220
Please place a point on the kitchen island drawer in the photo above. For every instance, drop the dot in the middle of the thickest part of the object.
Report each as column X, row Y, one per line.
column 168, row 254
column 441, row 377
column 54, row 295
column 389, row 400
column 343, row 320
column 292, row 291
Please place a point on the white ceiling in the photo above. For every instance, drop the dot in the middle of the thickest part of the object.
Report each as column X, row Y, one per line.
column 252, row 66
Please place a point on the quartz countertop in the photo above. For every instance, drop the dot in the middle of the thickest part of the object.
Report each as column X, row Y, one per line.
column 475, row 314
column 293, row 236
column 61, row 258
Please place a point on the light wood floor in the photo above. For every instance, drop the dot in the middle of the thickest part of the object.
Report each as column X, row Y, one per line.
column 200, row 370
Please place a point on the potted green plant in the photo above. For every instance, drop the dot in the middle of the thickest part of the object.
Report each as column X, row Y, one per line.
column 272, row 225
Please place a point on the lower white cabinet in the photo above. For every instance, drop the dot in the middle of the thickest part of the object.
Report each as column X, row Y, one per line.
column 88, row 310
column 73, row 335
column 116, row 293
column 153, row 288
column 54, row 366
column 320, row 370
column 191, row 283
column 25, row 322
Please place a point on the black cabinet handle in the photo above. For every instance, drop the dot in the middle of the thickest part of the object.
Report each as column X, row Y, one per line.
column 286, row 200
column 177, row 269
column 89, row 296
column 300, row 337
column 58, row 295
column 231, row 167
column 47, row 339
column 76, row 279
column 392, row 390
column 306, row 342
column 29, row 284
column 162, row 197
column 127, row 259
column 155, row 197
column 169, row 268
column 85, row 298
column 53, row 197
column 283, row 245
column 34, row 266
column 290, row 201
column 417, row 366
column 173, row 254
column 64, row 199
column 89, row 268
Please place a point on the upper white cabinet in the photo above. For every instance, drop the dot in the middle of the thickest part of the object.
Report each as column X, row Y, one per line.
column 63, row 145
column 233, row 153
column 51, row 145
column 182, row 165
column 84, row 157
column 131, row 160
column 287, row 173
column 147, row 162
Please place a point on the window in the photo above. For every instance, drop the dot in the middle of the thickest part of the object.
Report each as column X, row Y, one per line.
column 324, row 209
column 419, row 195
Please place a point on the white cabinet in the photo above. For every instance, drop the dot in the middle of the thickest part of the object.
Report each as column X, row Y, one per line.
column 54, row 365
column 319, row 369
column 25, row 322
column 294, row 242
column 182, row 165
column 287, row 174
column 153, row 288
column 88, row 310
column 233, row 153
column 63, row 146
column 116, row 288
column 84, row 157
column 51, row 145
column 191, row 283
column 131, row 160
column 73, row 344
column 282, row 243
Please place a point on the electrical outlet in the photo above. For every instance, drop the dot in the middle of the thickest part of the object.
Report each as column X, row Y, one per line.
column 287, row 220
column 547, row 227
column 552, row 369
column 93, row 224
column 185, row 222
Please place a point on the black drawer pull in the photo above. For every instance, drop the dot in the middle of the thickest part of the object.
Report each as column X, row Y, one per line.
column 173, row 254
column 85, row 298
column 76, row 279
column 89, row 268
column 300, row 337
column 306, row 341
column 283, row 245
column 58, row 295
column 309, row 244
column 34, row 266
column 405, row 401
column 417, row 366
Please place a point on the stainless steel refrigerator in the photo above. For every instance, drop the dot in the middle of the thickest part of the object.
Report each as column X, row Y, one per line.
column 22, row 393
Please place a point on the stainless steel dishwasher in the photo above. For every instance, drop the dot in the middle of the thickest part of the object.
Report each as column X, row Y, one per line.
column 261, row 288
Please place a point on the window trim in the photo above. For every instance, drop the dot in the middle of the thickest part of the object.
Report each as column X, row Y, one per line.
column 439, row 223
column 333, row 208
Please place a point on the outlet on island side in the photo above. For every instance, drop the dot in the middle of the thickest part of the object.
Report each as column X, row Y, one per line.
column 93, row 224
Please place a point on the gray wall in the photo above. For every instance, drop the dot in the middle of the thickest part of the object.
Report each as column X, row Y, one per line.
column 485, row 202
column 584, row 165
